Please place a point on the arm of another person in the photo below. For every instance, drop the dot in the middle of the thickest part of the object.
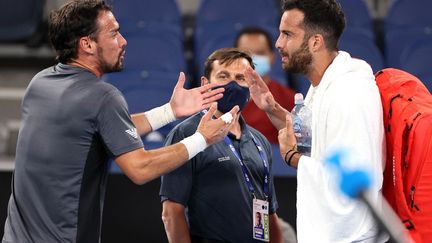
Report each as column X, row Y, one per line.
column 174, row 219
column 183, row 103
column 275, row 229
column 264, row 99
column 142, row 165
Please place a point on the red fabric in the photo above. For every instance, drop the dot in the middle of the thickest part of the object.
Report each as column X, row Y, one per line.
column 258, row 119
column 407, row 185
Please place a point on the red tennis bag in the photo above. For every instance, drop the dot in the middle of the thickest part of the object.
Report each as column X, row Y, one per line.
column 407, row 107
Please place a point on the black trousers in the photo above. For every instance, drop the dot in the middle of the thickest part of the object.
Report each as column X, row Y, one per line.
column 198, row 239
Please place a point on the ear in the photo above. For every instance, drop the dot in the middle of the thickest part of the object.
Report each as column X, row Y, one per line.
column 204, row 81
column 316, row 42
column 87, row 45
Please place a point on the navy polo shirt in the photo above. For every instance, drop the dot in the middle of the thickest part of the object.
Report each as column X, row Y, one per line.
column 212, row 186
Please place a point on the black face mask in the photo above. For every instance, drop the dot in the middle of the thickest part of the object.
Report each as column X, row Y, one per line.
column 233, row 95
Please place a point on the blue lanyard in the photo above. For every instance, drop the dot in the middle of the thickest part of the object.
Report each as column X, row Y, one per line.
column 244, row 169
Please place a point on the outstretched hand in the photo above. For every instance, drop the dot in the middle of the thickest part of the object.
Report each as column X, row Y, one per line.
column 215, row 130
column 186, row 102
column 259, row 90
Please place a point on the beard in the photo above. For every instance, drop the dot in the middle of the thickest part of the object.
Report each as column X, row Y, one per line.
column 299, row 61
column 110, row 68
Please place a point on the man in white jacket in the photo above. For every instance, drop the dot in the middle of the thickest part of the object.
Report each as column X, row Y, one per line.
column 346, row 110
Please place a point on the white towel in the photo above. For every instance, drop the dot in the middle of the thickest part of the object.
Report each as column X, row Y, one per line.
column 347, row 111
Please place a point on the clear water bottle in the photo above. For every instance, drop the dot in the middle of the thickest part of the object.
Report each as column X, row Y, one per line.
column 302, row 123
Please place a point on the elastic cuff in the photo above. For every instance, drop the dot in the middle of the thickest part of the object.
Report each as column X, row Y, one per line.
column 194, row 144
column 160, row 116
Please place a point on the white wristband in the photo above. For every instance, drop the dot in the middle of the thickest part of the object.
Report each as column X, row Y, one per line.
column 160, row 116
column 194, row 144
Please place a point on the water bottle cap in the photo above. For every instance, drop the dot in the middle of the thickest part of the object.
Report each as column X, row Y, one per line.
column 298, row 98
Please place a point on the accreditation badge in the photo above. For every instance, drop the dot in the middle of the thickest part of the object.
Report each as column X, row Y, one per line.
column 260, row 216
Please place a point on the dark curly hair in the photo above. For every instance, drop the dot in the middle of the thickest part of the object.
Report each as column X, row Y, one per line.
column 75, row 19
column 320, row 16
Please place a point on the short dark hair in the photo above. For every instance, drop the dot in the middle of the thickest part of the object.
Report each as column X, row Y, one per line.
column 255, row 31
column 320, row 16
column 225, row 55
column 72, row 21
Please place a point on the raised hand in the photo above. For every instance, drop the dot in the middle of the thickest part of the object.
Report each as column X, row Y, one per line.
column 286, row 137
column 264, row 99
column 215, row 130
column 185, row 102
column 259, row 90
